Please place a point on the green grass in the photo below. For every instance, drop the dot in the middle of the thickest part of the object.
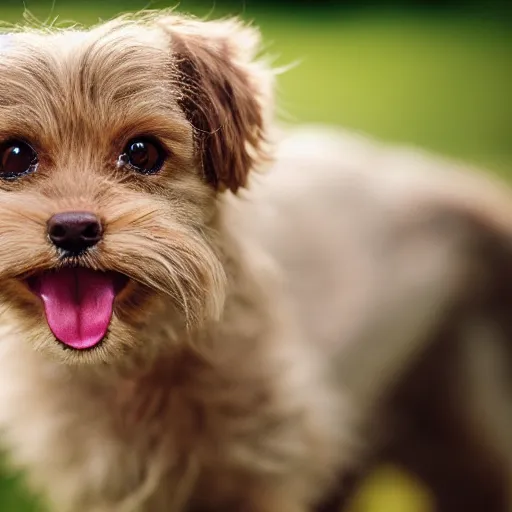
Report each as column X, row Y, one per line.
column 439, row 82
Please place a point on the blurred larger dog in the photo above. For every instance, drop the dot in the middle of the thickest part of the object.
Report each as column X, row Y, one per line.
column 167, row 344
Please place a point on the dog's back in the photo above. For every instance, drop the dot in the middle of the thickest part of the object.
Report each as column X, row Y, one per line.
column 396, row 265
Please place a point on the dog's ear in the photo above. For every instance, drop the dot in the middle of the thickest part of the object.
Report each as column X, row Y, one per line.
column 225, row 94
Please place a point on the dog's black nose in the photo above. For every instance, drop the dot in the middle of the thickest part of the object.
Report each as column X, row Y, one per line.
column 75, row 231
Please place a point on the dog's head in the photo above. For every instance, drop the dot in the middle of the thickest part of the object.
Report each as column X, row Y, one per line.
column 114, row 145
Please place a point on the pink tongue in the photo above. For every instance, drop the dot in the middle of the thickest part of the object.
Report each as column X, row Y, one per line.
column 78, row 304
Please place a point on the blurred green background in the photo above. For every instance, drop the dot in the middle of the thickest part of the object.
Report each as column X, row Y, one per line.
column 434, row 74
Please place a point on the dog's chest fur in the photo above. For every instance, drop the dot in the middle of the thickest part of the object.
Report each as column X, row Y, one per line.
column 187, row 427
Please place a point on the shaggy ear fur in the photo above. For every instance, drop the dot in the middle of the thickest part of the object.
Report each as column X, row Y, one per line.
column 226, row 95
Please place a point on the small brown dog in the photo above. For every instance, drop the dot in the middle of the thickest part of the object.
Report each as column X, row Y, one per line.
column 169, row 346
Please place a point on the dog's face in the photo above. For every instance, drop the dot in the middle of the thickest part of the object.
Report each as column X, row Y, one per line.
column 114, row 144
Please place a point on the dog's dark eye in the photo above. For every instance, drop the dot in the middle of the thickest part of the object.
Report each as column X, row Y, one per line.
column 16, row 158
column 144, row 156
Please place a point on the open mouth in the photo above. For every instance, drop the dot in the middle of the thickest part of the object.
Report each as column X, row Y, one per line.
column 78, row 303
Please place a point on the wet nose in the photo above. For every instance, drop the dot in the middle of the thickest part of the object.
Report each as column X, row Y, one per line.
column 74, row 231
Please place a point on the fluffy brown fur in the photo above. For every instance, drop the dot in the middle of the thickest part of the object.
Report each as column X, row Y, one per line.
column 257, row 351
column 174, row 407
